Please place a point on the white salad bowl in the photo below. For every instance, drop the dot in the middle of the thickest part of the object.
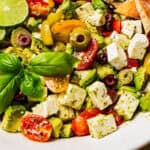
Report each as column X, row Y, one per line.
column 131, row 135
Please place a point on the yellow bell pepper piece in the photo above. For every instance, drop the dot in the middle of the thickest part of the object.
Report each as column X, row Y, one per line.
column 51, row 3
column 46, row 34
column 54, row 17
column 61, row 30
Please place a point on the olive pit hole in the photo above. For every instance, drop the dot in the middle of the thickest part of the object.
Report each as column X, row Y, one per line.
column 80, row 38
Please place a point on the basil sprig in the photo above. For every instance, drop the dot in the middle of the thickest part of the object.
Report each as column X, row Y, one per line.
column 14, row 74
column 52, row 64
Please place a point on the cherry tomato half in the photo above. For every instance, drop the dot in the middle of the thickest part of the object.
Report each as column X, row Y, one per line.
column 147, row 63
column 57, row 84
column 88, row 56
column 119, row 119
column 117, row 25
column 79, row 126
column 58, row 1
column 133, row 63
column 113, row 95
column 36, row 128
column 106, row 33
column 89, row 113
column 38, row 8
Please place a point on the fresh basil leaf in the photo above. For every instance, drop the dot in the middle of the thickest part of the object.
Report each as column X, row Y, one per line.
column 8, row 88
column 98, row 4
column 53, row 64
column 32, row 86
column 9, row 63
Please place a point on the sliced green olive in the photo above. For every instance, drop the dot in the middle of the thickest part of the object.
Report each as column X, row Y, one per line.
column 80, row 38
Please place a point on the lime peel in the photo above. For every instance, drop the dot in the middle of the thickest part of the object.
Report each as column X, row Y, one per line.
column 13, row 12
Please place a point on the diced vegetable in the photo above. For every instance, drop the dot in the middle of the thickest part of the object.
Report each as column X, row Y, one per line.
column 12, row 118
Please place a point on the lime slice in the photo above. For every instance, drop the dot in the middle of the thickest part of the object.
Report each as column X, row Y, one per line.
column 12, row 12
column 2, row 34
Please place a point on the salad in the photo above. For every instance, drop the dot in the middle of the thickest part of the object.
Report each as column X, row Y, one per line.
column 73, row 68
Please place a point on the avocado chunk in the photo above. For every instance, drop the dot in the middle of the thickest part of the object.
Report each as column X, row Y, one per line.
column 104, row 70
column 12, row 118
column 66, row 130
column 88, row 103
column 145, row 102
column 123, row 89
column 32, row 23
column 140, row 78
column 66, row 113
column 57, row 125
column 37, row 46
column 129, row 89
column 84, row 78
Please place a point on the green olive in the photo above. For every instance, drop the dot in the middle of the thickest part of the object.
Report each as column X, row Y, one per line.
column 59, row 46
column 80, row 38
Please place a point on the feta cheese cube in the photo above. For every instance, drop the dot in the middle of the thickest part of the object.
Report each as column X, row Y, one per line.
column 120, row 39
column 48, row 107
column 74, row 97
column 101, row 125
column 126, row 105
column 129, row 27
column 137, row 46
column 98, row 94
column 87, row 13
column 116, row 56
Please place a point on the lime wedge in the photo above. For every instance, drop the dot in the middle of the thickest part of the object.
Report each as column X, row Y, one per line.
column 12, row 12
column 2, row 34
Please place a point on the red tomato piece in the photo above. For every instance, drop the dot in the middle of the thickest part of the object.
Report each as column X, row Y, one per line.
column 119, row 119
column 148, row 36
column 132, row 63
column 106, row 33
column 58, row 1
column 113, row 95
column 38, row 8
column 117, row 25
column 36, row 128
column 88, row 56
column 79, row 126
column 89, row 113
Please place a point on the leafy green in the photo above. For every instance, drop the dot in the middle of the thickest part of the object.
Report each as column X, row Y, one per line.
column 70, row 10
column 53, row 64
column 98, row 4
column 8, row 88
column 13, row 75
column 32, row 85
column 145, row 102
column 32, row 23
column 9, row 63
column 62, row 8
